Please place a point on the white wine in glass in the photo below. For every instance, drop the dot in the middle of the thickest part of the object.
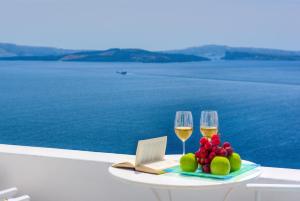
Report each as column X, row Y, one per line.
column 209, row 123
column 183, row 126
column 183, row 133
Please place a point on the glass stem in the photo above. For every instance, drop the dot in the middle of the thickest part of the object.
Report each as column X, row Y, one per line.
column 183, row 148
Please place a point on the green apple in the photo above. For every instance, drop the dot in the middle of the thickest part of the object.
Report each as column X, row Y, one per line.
column 235, row 162
column 188, row 163
column 220, row 166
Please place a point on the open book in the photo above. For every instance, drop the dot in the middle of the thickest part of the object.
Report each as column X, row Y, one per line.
column 149, row 157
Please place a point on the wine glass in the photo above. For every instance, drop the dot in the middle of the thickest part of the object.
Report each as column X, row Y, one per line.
column 209, row 123
column 183, row 126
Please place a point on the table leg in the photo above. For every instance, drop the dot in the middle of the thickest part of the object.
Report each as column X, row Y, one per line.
column 157, row 195
column 227, row 194
column 170, row 195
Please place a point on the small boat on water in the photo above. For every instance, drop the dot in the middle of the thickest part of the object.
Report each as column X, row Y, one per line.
column 122, row 72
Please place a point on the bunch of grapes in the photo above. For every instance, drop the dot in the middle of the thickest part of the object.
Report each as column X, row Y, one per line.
column 209, row 149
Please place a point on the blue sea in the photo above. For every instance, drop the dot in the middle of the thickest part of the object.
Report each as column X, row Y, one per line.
column 88, row 106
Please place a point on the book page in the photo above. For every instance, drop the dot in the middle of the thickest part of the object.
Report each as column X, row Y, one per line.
column 151, row 150
column 125, row 164
column 161, row 165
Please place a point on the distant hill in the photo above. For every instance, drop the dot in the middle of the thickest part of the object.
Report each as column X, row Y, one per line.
column 235, row 55
column 222, row 52
column 214, row 52
column 12, row 50
column 202, row 53
column 28, row 53
column 130, row 55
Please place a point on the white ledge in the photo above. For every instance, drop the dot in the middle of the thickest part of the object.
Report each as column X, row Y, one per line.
column 63, row 153
column 274, row 187
column 282, row 174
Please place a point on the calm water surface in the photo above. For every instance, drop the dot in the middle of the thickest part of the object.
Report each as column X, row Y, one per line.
column 87, row 106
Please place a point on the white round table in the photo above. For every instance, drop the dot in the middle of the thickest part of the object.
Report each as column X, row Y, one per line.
column 171, row 181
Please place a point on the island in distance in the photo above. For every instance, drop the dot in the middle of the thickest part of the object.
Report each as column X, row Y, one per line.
column 29, row 53
column 223, row 52
column 131, row 55
column 202, row 53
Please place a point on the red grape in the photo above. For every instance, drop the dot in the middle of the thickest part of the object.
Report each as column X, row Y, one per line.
column 229, row 150
column 214, row 148
column 206, row 168
column 223, row 152
column 207, row 161
column 203, row 141
column 226, row 144
column 207, row 146
column 215, row 142
column 212, row 155
column 215, row 137
column 201, row 161
column 197, row 153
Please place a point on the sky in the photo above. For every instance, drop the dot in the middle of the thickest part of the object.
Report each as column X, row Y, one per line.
column 151, row 24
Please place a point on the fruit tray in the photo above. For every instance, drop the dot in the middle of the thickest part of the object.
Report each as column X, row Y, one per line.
column 245, row 168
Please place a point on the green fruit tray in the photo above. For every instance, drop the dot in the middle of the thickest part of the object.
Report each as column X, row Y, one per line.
column 198, row 173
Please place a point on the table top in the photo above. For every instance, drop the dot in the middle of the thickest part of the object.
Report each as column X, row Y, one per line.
column 175, row 180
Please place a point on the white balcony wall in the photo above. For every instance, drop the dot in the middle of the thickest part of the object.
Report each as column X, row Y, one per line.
column 65, row 175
